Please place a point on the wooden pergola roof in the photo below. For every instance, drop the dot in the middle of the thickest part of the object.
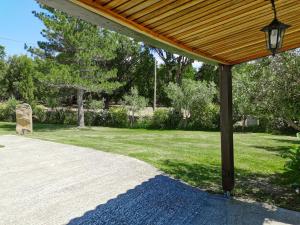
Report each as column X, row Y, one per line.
column 216, row 31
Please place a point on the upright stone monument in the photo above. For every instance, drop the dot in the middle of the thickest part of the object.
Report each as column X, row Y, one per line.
column 24, row 119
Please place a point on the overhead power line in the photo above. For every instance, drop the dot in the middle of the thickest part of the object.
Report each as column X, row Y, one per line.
column 16, row 41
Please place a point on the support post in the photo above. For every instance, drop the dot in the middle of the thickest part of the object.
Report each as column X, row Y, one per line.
column 154, row 93
column 226, row 127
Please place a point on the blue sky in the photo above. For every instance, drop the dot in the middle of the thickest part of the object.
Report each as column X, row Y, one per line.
column 18, row 25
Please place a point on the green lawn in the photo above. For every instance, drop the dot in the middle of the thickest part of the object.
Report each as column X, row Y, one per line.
column 193, row 156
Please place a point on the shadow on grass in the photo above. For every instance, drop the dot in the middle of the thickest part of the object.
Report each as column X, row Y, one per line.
column 50, row 127
column 37, row 127
column 273, row 188
column 277, row 149
column 292, row 142
column 10, row 127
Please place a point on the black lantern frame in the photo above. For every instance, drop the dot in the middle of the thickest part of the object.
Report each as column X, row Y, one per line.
column 274, row 32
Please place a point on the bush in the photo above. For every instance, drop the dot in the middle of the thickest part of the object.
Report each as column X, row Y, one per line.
column 175, row 119
column 118, row 117
column 160, row 119
column 102, row 118
column 134, row 102
column 68, row 117
column 293, row 156
column 8, row 110
column 205, row 118
column 143, row 122
column 95, row 105
column 39, row 113
column 293, row 165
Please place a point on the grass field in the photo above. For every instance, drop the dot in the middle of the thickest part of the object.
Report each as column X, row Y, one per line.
column 192, row 156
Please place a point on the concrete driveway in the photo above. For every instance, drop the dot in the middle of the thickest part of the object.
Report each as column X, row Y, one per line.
column 43, row 183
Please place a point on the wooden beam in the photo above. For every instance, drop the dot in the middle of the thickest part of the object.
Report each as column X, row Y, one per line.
column 226, row 127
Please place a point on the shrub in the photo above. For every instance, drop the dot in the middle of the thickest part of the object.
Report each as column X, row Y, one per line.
column 118, row 117
column 293, row 165
column 56, row 116
column 195, row 100
column 102, row 118
column 160, row 119
column 39, row 113
column 135, row 102
column 207, row 117
column 95, row 105
column 8, row 110
column 68, row 117
column 293, row 156
column 175, row 119
column 2, row 110
column 143, row 122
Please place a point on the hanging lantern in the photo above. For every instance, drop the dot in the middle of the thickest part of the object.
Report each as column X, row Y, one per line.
column 274, row 32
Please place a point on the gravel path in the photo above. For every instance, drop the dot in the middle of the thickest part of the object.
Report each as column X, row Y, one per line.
column 45, row 183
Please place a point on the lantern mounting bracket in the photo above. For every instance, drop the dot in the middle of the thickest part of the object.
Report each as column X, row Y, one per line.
column 274, row 8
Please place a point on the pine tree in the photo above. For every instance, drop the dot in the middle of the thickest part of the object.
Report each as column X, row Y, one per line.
column 76, row 54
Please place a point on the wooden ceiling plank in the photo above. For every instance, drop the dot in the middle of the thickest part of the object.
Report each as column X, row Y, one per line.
column 189, row 15
column 139, row 7
column 212, row 36
column 128, row 5
column 242, row 36
column 102, row 2
column 245, row 15
column 239, row 22
column 150, row 9
column 239, row 35
column 164, row 24
column 261, row 54
column 229, row 53
column 243, row 41
column 231, row 29
column 171, row 12
column 236, row 54
column 115, row 3
column 210, row 19
column 160, row 11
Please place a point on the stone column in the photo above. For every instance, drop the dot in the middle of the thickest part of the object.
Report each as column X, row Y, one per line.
column 24, row 119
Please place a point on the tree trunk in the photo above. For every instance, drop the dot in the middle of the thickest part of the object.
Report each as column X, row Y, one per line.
column 80, row 116
column 293, row 125
column 131, row 119
column 243, row 123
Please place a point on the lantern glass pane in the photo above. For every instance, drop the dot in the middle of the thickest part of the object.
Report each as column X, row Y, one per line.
column 274, row 38
column 267, row 39
column 281, row 38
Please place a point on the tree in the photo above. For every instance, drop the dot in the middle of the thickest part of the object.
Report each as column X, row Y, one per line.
column 135, row 102
column 282, row 88
column 3, row 67
column 192, row 98
column 135, row 64
column 244, row 94
column 76, row 54
column 208, row 72
column 176, row 65
column 270, row 88
column 18, row 80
